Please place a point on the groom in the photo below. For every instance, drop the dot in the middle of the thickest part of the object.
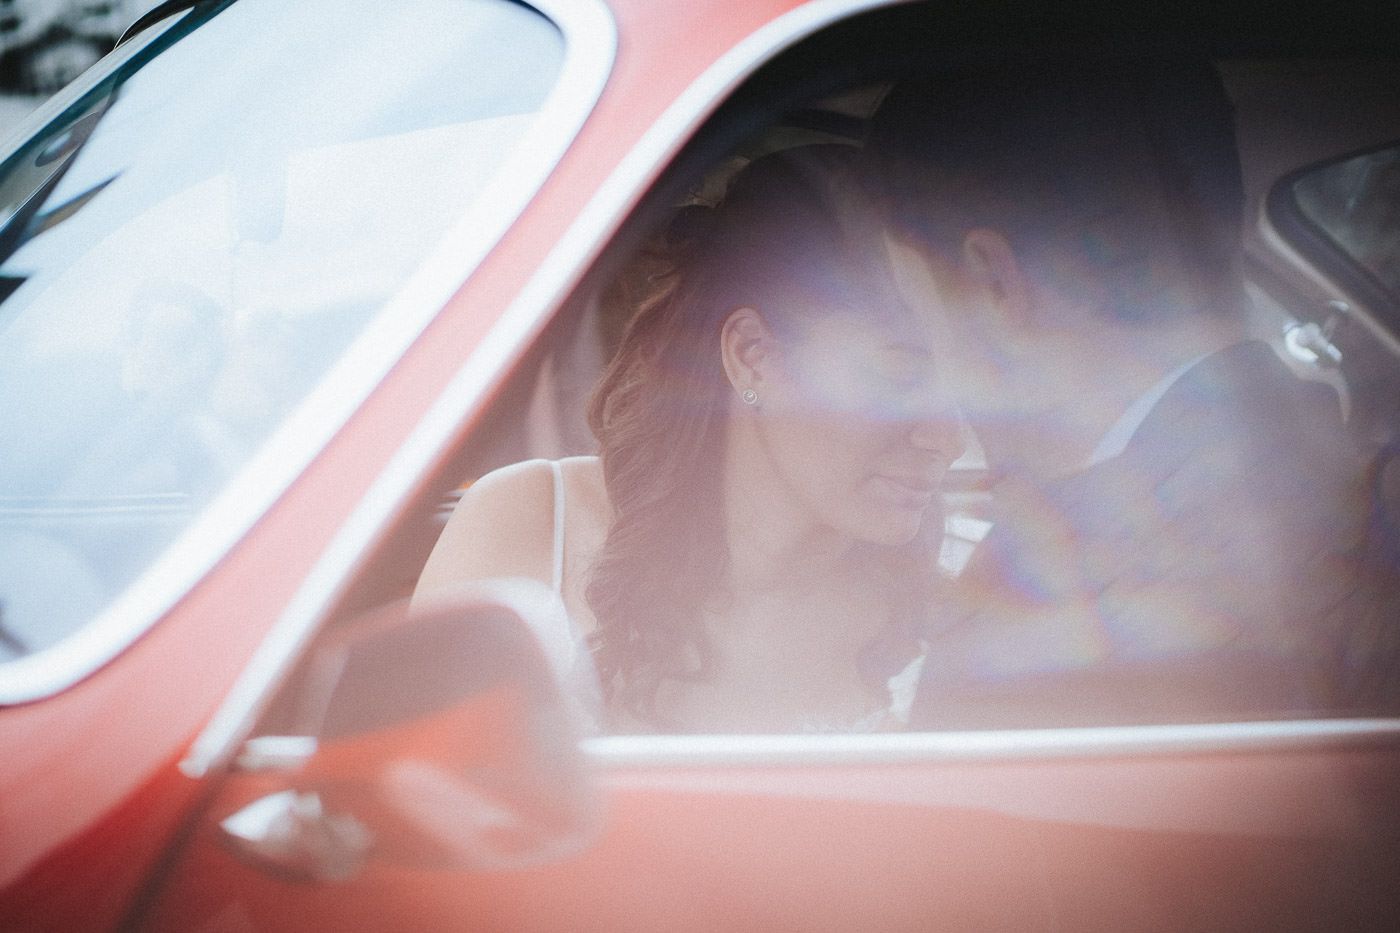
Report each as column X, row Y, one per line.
column 1175, row 512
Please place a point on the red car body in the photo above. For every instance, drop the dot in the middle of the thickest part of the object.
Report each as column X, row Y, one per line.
column 93, row 794
column 1293, row 825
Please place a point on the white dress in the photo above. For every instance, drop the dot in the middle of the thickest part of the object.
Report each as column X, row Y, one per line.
column 902, row 685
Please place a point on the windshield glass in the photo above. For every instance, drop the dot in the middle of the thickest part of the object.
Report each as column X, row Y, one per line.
column 189, row 249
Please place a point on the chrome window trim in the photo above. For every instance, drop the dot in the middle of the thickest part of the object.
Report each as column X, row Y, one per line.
column 1010, row 745
column 557, row 274
column 589, row 46
column 1248, row 779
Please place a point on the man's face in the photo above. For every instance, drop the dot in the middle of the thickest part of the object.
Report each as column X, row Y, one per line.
column 1025, row 377
column 989, row 362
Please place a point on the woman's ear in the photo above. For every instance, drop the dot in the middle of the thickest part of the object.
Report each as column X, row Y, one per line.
column 989, row 263
column 746, row 349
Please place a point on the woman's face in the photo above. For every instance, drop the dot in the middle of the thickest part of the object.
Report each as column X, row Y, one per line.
column 858, row 426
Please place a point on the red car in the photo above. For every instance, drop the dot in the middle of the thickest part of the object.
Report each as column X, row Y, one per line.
column 362, row 257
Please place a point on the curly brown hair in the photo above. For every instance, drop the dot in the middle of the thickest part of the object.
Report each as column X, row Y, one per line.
column 793, row 236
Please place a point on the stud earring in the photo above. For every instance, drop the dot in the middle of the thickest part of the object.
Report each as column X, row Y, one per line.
column 749, row 396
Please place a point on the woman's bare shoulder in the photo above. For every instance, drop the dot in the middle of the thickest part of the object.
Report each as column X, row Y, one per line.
column 502, row 527
column 586, row 489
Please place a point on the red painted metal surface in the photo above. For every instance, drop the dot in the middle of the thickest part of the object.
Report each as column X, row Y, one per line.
column 91, row 796
column 89, row 788
column 1208, row 842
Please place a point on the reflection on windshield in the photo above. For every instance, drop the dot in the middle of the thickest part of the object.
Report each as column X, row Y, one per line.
column 188, row 250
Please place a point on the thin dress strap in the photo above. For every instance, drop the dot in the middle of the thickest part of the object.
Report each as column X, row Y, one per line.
column 558, row 575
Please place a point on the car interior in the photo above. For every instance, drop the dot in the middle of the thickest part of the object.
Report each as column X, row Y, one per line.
column 1297, row 112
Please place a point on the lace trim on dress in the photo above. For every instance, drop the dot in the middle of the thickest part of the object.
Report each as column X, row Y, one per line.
column 892, row 718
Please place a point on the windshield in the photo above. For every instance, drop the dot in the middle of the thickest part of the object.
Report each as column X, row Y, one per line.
column 191, row 247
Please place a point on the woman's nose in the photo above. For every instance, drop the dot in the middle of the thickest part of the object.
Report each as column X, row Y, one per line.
column 940, row 430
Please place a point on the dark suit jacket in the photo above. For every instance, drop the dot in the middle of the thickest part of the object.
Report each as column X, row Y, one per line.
column 1197, row 575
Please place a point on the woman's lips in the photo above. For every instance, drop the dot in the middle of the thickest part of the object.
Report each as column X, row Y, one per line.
column 908, row 490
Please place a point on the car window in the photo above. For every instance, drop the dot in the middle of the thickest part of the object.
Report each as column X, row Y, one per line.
column 1212, row 540
column 1356, row 201
column 189, row 251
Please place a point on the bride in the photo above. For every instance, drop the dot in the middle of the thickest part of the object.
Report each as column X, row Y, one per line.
column 755, row 547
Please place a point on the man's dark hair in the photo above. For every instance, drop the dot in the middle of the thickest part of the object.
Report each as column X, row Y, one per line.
column 1116, row 181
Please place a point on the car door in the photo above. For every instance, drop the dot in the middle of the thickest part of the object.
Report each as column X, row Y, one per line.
column 215, row 245
column 1037, row 804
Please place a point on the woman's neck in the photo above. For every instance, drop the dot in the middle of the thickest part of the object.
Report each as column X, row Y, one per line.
column 772, row 539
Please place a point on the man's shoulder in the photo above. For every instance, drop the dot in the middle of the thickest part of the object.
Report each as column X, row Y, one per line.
column 1238, row 453
column 1241, row 414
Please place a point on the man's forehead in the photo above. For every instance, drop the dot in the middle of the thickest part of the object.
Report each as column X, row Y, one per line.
column 921, row 280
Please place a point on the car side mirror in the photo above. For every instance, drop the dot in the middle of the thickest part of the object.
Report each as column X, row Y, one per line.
column 439, row 734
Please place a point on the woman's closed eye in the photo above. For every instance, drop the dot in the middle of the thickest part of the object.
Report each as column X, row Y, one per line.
column 903, row 370
column 901, row 385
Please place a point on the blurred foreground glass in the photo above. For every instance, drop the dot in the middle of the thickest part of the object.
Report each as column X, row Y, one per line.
column 411, row 753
